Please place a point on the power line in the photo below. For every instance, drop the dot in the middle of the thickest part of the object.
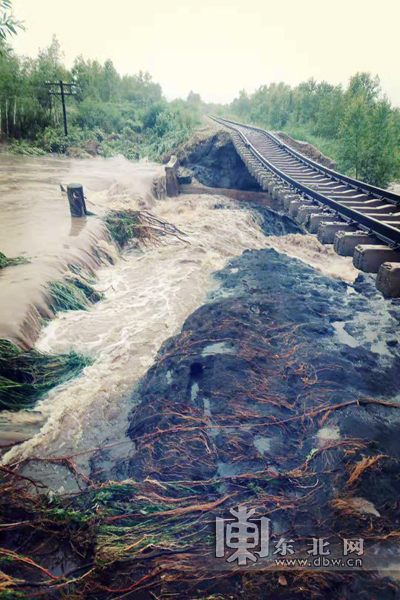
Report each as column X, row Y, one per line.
column 61, row 94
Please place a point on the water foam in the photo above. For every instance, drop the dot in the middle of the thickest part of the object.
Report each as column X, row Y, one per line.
column 148, row 297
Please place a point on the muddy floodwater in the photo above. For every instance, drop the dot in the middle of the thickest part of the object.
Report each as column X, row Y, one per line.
column 238, row 361
column 148, row 293
column 35, row 223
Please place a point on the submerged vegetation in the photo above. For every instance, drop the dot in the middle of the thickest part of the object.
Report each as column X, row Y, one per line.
column 27, row 375
column 74, row 292
column 124, row 226
column 10, row 262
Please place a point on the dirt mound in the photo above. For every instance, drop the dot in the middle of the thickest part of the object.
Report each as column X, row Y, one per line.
column 307, row 149
column 258, row 402
column 211, row 157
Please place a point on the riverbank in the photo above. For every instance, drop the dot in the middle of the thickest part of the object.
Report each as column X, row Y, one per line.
column 280, row 393
column 35, row 224
column 240, row 363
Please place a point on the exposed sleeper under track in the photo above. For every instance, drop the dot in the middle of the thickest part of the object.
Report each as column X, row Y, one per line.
column 333, row 204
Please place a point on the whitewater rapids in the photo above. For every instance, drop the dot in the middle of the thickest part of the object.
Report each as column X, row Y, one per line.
column 148, row 296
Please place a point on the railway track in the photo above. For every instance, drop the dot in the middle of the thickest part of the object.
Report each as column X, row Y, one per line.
column 361, row 220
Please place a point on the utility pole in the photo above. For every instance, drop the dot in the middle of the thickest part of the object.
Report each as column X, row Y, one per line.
column 61, row 95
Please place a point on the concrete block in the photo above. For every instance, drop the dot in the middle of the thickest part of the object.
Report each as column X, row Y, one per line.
column 317, row 218
column 275, row 185
column 288, row 199
column 294, row 207
column 266, row 182
column 327, row 231
column 282, row 193
column 304, row 212
column 277, row 190
column 370, row 258
column 345, row 243
column 388, row 280
column 171, row 178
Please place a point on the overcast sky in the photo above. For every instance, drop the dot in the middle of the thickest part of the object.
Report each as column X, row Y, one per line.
column 217, row 47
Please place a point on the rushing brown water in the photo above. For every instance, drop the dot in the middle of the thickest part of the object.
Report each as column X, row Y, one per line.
column 148, row 295
column 35, row 223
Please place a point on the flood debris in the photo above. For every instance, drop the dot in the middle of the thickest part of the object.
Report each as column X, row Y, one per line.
column 146, row 527
column 124, row 226
column 10, row 262
column 26, row 375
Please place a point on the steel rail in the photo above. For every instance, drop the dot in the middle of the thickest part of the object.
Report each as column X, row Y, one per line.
column 380, row 193
column 388, row 234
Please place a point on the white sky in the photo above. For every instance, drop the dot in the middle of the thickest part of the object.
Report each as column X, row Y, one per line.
column 217, row 47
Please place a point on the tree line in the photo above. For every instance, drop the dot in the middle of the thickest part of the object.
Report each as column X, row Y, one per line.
column 357, row 123
column 131, row 107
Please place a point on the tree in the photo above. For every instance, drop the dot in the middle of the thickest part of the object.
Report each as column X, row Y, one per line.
column 8, row 23
column 353, row 134
column 194, row 99
column 363, row 84
column 241, row 105
column 307, row 99
column 380, row 164
column 109, row 83
column 369, row 141
column 330, row 112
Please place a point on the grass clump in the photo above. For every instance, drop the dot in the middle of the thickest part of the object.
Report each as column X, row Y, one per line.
column 9, row 262
column 123, row 225
column 27, row 375
column 74, row 292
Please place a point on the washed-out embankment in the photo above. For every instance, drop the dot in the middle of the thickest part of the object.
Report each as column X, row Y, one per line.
column 245, row 364
column 36, row 225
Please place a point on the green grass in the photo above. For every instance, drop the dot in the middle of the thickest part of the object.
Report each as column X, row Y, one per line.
column 27, row 375
column 9, row 262
column 75, row 291
column 72, row 293
column 123, row 225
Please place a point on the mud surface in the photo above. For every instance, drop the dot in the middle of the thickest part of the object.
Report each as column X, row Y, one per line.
column 273, row 395
column 264, row 293
column 211, row 157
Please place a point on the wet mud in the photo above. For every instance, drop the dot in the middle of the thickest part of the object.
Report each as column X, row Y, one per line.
column 259, row 401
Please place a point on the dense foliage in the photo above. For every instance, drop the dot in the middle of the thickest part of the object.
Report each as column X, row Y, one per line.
column 114, row 114
column 110, row 113
column 356, row 126
column 8, row 23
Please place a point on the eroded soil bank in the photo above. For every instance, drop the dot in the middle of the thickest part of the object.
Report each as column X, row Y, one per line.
column 280, row 395
column 245, row 365
column 35, row 223
column 212, row 159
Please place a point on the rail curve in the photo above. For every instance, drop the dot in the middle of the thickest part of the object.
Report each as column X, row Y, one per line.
column 368, row 208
